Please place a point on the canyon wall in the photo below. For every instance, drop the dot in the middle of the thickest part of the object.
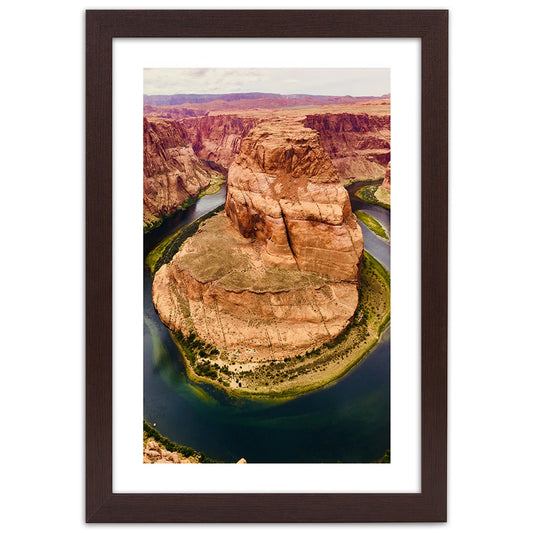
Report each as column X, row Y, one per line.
column 172, row 172
column 358, row 145
column 217, row 138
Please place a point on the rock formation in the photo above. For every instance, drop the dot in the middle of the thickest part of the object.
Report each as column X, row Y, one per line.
column 277, row 273
column 284, row 191
column 382, row 192
column 358, row 144
column 386, row 181
column 173, row 173
column 217, row 138
column 155, row 452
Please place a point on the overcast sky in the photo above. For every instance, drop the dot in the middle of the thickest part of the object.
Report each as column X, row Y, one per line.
column 323, row 81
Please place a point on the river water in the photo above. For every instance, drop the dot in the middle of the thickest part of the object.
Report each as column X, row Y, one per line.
column 349, row 421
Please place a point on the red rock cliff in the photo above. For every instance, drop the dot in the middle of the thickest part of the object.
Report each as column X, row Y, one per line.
column 217, row 138
column 172, row 171
column 358, row 145
column 284, row 191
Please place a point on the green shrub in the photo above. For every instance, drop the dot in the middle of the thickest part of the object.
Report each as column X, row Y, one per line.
column 172, row 446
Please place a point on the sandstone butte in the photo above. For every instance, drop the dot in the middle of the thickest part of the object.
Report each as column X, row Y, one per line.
column 277, row 273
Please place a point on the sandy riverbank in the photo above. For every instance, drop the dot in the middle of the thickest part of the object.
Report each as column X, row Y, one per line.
column 306, row 372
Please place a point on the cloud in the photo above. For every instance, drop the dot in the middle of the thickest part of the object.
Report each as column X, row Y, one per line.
column 338, row 82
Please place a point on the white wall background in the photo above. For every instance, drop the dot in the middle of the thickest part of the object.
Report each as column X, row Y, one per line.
column 42, row 363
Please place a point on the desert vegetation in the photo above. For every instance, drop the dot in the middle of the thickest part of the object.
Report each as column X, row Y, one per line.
column 307, row 370
column 371, row 223
column 375, row 194
column 166, row 249
column 150, row 433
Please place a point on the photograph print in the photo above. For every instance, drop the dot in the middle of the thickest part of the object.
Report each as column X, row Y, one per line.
column 266, row 220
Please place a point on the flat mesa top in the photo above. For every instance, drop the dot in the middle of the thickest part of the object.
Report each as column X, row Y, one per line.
column 218, row 252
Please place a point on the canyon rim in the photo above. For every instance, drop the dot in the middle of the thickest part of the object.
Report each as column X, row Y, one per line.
column 275, row 290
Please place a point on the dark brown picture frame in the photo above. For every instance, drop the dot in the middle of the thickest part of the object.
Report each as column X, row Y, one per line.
column 102, row 505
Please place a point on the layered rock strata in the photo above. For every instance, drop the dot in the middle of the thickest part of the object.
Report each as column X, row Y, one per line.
column 173, row 173
column 277, row 273
column 217, row 138
column 358, row 145
column 284, row 191
column 155, row 452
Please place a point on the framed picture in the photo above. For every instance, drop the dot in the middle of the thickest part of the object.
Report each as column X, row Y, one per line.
column 271, row 346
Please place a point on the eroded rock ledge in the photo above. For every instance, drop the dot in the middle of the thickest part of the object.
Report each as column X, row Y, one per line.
column 277, row 274
column 358, row 144
column 284, row 191
column 172, row 172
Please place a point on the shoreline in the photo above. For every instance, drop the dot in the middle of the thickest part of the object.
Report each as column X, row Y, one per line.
column 214, row 186
column 291, row 393
column 166, row 249
column 373, row 225
column 189, row 455
column 362, row 182
column 150, row 433
column 335, row 360
column 368, row 194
